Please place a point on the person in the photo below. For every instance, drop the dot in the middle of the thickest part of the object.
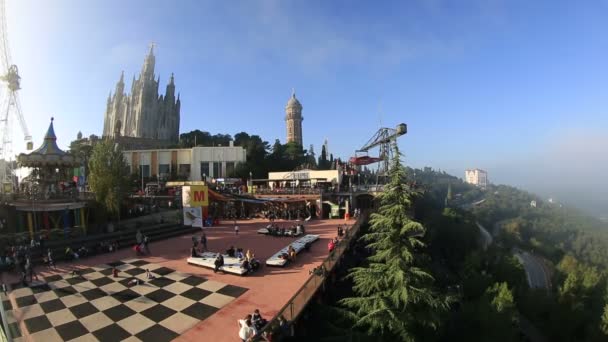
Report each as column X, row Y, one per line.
column 146, row 242
column 29, row 267
column 194, row 241
column 114, row 272
column 231, row 251
column 219, row 262
column 283, row 326
column 258, row 321
column 246, row 266
column 204, row 242
column 291, row 252
column 239, row 253
column 49, row 259
column 331, row 245
column 193, row 252
column 249, row 255
column 139, row 237
column 236, row 230
column 133, row 282
column 246, row 331
column 149, row 275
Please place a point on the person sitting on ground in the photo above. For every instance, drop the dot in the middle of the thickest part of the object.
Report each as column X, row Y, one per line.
column 258, row 321
column 231, row 251
column 291, row 252
column 149, row 275
column 249, row 255
column 133, row 282
column 219, row 262
column 83, row 251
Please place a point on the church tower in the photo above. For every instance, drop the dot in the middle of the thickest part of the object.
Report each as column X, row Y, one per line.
column 142, row 113
column 293, row 119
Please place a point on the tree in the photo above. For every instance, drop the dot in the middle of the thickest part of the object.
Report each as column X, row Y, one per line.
column 109, row 175
column 323, row 162
column 604, row 321
column 394, row 294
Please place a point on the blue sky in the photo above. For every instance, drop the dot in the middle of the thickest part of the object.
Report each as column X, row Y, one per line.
column 502, row 85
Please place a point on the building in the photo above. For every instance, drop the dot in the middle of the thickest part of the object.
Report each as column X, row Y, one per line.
column 476, row 177
column 293, row 119
column 143, row 113
column 193, row 164
column 305, row 178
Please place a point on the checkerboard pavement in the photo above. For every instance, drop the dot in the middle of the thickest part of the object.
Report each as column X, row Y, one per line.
column 98, row 307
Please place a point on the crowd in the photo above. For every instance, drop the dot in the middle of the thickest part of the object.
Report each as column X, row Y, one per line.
column 247, row 259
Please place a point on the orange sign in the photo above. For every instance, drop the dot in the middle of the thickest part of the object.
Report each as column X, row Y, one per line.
column 195, row 196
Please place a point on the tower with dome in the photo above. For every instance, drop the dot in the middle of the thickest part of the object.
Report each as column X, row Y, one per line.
column 293, row 119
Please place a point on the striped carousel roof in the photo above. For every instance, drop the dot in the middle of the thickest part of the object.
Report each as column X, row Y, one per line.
column 48, row 154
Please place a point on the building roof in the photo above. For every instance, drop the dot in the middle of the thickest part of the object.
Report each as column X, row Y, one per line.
column 293, row 101
column 48, row 154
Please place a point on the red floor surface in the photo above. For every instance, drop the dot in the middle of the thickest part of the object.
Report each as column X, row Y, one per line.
column 269, row 289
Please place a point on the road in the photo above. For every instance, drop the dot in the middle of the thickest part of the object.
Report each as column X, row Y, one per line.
column 486, row 237
column 535, row 272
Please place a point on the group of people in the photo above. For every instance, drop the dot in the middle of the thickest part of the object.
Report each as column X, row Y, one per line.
column 142, row 246
column 199, row 245
column 295, row 230
column 247, row 259
column 251, row 325
column 331, row 245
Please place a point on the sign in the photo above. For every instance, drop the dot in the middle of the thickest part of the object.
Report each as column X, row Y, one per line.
column 193, row 217
column 195, row 196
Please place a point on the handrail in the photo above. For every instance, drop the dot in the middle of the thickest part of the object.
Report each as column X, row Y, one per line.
column 297, row 303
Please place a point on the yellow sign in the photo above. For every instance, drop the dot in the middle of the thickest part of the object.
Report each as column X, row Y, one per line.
column 195, row 196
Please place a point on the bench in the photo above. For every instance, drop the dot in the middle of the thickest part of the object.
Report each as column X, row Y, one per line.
column 299, row 230
column 207, row 259
column 298, row 245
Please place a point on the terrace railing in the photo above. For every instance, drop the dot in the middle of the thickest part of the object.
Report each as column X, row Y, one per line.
column 282, row 323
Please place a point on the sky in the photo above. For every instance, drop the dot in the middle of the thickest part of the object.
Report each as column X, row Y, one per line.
column 518, row 88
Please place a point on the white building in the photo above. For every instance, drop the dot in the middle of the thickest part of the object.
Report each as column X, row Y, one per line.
column 304, row 177
column 192, row 164
column 476, row 177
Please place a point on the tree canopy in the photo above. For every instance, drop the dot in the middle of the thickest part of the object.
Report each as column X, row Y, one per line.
column 108, row 176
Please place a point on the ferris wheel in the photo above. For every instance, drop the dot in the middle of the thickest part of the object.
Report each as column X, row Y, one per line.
column 10, row 108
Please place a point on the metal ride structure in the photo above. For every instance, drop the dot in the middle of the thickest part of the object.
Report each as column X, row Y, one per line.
column 10, row 107
column 383, row 139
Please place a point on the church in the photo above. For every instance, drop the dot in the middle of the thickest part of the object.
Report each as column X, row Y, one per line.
column 142, row 113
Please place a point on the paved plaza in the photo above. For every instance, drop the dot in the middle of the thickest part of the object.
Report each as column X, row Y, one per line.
column 183, row 302
column 96, row 306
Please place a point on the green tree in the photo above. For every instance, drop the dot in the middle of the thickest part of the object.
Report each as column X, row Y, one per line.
column 323, row 162
column 604, row 321
column 109, row 175
column 394, row 294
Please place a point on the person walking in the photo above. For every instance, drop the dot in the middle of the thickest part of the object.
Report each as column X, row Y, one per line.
column 236, row 230
column 204, row 242
column 146, row 244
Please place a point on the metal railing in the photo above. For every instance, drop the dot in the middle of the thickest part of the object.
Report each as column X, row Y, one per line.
column 282, row 323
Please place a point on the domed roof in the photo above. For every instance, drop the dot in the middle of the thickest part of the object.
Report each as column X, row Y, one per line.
column 48, row 154
column 293, row 102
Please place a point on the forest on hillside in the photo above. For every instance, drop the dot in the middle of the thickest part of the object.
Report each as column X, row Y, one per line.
column 470, row 294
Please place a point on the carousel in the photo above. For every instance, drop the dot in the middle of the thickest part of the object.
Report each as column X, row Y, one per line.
column 48, row 202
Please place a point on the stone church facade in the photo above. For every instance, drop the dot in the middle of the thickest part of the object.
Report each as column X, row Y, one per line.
column 293, row 119
column 143, row 113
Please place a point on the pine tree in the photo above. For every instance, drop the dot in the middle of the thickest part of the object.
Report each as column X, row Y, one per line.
column 394, row 295
column 323, row 163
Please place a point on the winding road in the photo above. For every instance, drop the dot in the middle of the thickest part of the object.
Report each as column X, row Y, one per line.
column 535, row 272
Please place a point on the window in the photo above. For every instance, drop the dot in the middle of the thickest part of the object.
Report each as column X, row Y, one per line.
column 229, row 169
column 217, row 170
column 184, row 170
column 163, row 170
column 204, row 169
column 145, row 170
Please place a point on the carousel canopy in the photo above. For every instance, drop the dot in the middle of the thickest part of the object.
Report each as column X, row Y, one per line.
column 48, row 154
